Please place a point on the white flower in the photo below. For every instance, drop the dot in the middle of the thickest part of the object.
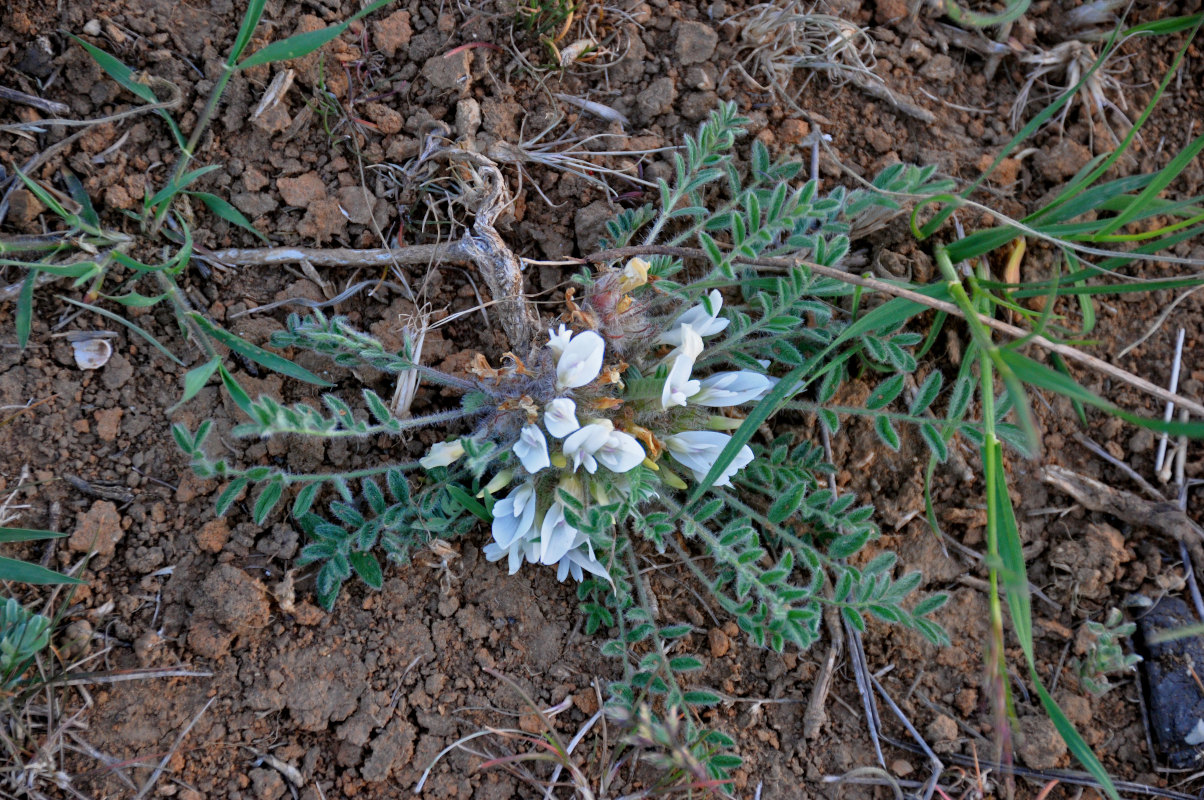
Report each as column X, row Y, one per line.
column 731, row 388
column 521, row 549
column 442, row 454
column 556, row 535
column 678, row 386
column 532, row 449
column 702, row 321
column 560, row 417
column 581, row 445
column 698, row 451
column 578, row 559
column 514, row 516
column 580, row 361
column 559, row 340
column 621, row 452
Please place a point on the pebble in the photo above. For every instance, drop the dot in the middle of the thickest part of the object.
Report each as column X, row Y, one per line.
column 719, row 641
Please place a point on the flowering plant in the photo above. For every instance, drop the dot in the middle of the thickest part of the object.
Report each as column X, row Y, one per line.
column 638, row 422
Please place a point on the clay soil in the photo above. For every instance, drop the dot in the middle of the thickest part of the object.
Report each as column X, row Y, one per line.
column 358, row 702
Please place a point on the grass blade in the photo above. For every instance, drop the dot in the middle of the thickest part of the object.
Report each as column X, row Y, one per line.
column 264, row 358
column 303, row 44
column 228, row 212
column 12, row 569
column 121, row 320
column 9, row 535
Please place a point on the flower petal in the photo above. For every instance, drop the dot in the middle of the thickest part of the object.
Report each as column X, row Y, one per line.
column 731, row 388
column 442, row 454
column 560, row 417
column 702, row 321
column 620, row 453
column 678, row 386
column 699, row 450
column 580, row 446
column 532, row 449
column 581, row 360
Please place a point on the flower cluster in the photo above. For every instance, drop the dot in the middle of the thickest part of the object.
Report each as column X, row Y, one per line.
column 576, row 444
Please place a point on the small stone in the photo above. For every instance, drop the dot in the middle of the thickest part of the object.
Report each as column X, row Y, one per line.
column 392, row 32
column 268, row 784
column 116, row 196
column 942, row 733
column 212, row 537
column 468, row 117
column 323, row 220
column 117, row 372
column 590, row 223
column 253, row 179
column 1062, row 160
column 695, row 42
column 98, row 531
column 235, row 600
column 657, row 98
column 24, row 208
column 388, row 120
column 940, row 69
column 901, row 768
column 75, row 639
column 449, row 73
column 254, row 204
column 357, row 204
column 1039, row 745
column 108, row 422
column 586, row 701
column 1141, row 441
column 92, row 27
column 719, row 641
column 273, row 120
column 301, row 191
column 531, row 723
column 144, row 647
column 793, row 131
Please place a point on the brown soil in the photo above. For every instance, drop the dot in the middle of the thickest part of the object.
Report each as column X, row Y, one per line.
column 361, row 700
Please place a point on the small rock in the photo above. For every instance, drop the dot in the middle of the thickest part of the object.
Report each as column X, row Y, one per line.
column 273, row 120
column 392, row 32
column 940, row 69
column 253, row 179
column 98, row 531
column 117, row 372
column 793, row 131
column 108, row 421
column 657, row 98
column 235, row 600
column 468, row 117
column 901, row 768
column 590, row 224
column 449, row 73
column 1141, row 441
column 586, row 701
column 92, row 27
column 942, row 733
column 75, row 639
column 1039, row 745
column 1062, row 160
column 531, row 723
column 144, row 647
column 301, row 191
column 719, row 641
column 357, row 203
column 695, row 42
column 254, row 203
column 212, row 537
column 322, row 220
column 268, row 784
column 888, row 11
column 24, row 208
column 387, row 119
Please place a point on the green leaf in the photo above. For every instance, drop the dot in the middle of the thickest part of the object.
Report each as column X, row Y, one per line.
column 698, row 697
column 303, row 44
column 9, row 535
column 886, row 392
column 117, row 70
column 305, row 499
column 228, row 212
column 25, row 308
column 787, row 504
column 935, row 442
column 470, row 503
column 268, row 498
column 264, row 358
column 236, row 392
column 229, row 495
column 12, row 569
column 174, row 188
column 368, row 568
column 195, row 380
column 928, row 391
column 886, row 432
